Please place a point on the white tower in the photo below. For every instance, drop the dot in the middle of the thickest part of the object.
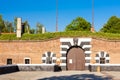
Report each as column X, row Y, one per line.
column 19, row 27
column 43, row 30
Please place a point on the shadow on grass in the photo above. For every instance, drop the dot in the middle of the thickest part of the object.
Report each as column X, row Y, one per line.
column 78, row 77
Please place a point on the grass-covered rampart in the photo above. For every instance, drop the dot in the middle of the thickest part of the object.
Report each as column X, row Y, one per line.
column 47, row 36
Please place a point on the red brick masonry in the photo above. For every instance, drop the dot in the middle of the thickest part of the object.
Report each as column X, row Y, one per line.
column 18, row 50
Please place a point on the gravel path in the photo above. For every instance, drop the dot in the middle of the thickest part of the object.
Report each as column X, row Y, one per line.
column 64, row 75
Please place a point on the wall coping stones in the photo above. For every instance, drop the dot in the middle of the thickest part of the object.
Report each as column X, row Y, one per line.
column 105, row 64
column 56, row 39
column 35, row 64
column 29, row 40
column 61, row 65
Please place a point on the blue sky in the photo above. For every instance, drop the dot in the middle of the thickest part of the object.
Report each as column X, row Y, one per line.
column 44, row 11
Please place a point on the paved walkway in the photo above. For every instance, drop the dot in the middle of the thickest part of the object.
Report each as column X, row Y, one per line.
column 64, row 75
column 114, row 74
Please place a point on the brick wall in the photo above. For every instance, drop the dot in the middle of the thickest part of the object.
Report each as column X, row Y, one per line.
column 111, row 47
column 18, row 50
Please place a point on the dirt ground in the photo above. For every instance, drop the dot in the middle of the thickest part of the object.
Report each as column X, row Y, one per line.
column 63, row 75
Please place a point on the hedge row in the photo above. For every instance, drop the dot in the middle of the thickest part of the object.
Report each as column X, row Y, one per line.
column 46, row 36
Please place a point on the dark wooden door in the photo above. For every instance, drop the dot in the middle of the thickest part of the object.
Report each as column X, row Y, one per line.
column 75, row 59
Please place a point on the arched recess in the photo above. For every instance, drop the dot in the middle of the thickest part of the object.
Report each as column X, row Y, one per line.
column 75, row 58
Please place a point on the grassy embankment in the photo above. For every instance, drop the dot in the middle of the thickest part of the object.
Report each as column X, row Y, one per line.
column 47, row 36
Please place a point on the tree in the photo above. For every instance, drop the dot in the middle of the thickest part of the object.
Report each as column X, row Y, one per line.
column 8, row 27
column 15, row 23
column 2, row 25
column 27, row 27
column 112, row 25
column 32, row 31
column 39, row 28
column 78, row 24
column 11, row 27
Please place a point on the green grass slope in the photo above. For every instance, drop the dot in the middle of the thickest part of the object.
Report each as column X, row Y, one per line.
column 53, row 35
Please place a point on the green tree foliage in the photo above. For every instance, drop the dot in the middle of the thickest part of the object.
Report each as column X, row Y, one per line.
column 27, row 27
column 5, row 26
column 32, row 31
column 2, row 25
column 78, row 24
column 15, row 23
column 8, row 27
column 112, row 25
column 39, row 28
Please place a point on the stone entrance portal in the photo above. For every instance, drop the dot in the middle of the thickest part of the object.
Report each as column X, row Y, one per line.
column 75, row 59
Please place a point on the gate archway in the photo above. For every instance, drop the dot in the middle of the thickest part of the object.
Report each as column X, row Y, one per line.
column 75, row 58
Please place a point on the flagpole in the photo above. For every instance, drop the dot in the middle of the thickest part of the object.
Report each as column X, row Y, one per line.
column 92, row 27
column 56, row 15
